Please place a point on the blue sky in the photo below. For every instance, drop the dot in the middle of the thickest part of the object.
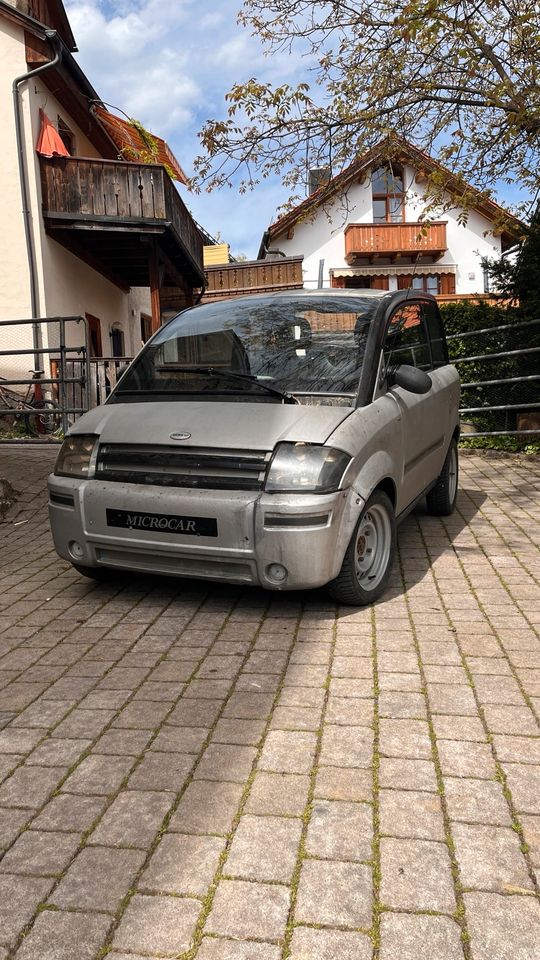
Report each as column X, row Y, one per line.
column 169, row 63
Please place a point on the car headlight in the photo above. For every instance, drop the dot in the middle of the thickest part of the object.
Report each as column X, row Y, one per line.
column 306, row 468
column 75, row 457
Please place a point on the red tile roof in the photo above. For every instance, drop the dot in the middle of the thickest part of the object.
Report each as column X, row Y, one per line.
column 131, row 144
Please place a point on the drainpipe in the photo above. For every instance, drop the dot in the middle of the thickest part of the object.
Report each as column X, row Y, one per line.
column 52, row 37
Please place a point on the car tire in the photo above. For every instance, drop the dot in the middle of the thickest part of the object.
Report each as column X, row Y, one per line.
column 367, row 564
column 94, row 573
column 441, row 499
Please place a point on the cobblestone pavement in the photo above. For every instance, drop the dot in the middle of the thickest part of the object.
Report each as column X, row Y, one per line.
column 188, row 770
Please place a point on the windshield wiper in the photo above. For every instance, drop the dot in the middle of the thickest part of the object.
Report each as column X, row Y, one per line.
column 229, row 375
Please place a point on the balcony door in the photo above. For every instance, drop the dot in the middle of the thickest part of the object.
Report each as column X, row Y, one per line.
column 94, row 335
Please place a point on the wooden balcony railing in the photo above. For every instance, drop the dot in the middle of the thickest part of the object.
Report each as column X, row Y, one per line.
column 121, row 197
column 371, row 241
column 254, row 276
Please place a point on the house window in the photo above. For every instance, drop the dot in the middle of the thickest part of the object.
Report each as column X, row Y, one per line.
column 117, row 342
column 67, row 136
column 388, row 195
column 429, row 284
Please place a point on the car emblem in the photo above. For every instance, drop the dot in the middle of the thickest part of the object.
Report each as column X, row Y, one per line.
column 180, row 436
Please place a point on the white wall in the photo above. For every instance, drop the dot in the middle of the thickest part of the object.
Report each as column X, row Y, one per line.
column 322, row 238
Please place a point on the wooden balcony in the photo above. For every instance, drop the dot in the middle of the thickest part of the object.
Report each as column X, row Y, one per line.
column 126, row 220
column 252, row 277
column 369, row 242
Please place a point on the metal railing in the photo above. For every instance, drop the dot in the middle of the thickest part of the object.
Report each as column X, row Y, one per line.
column 56, row 388
column 500, row 393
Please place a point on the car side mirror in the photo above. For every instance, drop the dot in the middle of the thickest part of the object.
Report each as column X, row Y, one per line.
column 409, row 378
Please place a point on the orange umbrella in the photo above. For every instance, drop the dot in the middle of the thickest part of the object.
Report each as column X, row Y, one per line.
column 50, row 143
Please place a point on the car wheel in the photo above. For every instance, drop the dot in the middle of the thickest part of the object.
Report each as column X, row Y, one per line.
column 367, row 563
column 94, row 573
column 441, row 499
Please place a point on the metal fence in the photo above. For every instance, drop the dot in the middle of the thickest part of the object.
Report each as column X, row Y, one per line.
column 499, row 368
column 53, row 394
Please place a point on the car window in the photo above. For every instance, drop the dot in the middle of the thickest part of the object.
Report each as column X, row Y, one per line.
column 435, row 329
column 406, row 340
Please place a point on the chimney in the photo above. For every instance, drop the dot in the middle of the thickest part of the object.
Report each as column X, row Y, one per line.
column 318, row 177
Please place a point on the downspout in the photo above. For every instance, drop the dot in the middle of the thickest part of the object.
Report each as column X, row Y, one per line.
column 52, row 37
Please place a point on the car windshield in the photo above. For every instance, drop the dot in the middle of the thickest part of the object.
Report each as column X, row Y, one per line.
column 281, row 350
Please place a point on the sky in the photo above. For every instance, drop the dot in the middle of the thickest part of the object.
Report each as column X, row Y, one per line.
column 169, row 63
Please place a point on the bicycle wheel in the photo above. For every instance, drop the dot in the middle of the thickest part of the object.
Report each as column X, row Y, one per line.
column 44, row 419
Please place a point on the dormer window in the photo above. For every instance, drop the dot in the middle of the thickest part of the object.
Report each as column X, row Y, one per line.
column 388, row 195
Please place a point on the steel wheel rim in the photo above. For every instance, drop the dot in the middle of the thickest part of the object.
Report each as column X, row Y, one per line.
column 372, row 547
column 452, row 474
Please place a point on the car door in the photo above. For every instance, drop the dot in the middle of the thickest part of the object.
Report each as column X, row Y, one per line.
column 423, row 417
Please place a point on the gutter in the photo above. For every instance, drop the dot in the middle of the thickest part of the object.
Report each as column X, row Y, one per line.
column 54, row 40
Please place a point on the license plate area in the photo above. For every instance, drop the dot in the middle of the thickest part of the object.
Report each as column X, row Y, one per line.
column 162, row 523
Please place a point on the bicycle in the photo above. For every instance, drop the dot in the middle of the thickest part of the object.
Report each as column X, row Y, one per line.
column 38, row 415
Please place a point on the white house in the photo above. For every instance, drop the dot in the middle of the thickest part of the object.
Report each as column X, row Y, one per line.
column 92, row 224
column 366, row 228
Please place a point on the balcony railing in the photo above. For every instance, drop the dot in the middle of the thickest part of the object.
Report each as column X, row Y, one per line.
column 95, row 196
column 372, row 241
column 255, row 276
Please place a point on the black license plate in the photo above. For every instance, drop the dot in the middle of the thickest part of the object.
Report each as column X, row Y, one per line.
column 162, row 523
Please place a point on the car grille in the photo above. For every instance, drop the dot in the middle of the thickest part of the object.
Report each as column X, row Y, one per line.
column 187, row 467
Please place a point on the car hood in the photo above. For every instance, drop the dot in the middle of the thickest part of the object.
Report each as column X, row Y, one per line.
column 233, row 426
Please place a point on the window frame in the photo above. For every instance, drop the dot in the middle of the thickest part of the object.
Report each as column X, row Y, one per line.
column 388, row 196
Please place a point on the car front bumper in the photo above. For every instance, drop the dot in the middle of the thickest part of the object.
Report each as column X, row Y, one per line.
column 278, row 541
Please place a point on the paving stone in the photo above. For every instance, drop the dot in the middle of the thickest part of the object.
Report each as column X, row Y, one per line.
column 466, row 759
column 259, row 682
column 400, row 682
column 452, row 698
column 98, row 879
column 518, row 749
column 349, row 711
column 518, row 720
column 30, row 786
column 83, row 724
column 248, row 706
column 53, row 753
column 459, row 728
column 157, row 924
column 219, row 949
column 347, row 746
column 334, row 894
column 502, row 927
column 40, row 854
column 172, row 739
column 310, row 944
column 400, row 704
column 280, row 794
column 490, row 858
column 300, row 697
column 351, row 688
column 19, row 898
column 98, row 774
column 476, row 801
column 11, row 823
column 404, row 774
column 288, row 751
column 411, row 814
column 69, row 812
column 340, row 830
column 241, row 909
column 207, row 807
column 416, row 875
column 497, row 689
column 405, row 738
column 242, row 732
column 183, row 865
column 336, row 783
column 133, row 819
column 531, row 832
column 225, row 762
column 264, row 848
column 195, row 713
column 18, row 740
column 63, row 936
column 143, row 714
column 105, row 700
column 123, row 743
column 404, row 936
column 162, row 771
column 296, row 718
column 524, row 783
column 8, row 763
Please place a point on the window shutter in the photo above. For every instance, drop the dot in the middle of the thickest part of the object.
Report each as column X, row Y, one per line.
column 404, row 281
column 448, row 283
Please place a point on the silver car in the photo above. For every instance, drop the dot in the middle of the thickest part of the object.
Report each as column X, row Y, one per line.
column 273, row 440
